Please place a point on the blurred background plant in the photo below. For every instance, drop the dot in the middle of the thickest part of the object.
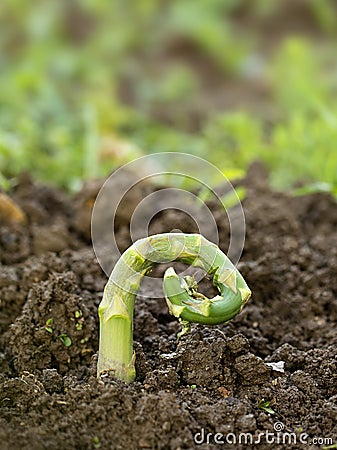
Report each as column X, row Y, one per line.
column 86, row 86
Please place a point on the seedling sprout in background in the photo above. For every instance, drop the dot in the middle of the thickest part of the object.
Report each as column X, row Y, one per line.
column 330, row 447
column 65, row 339
column 48, row 326
column 96, row 442
column 265, row 406
column 184, row 301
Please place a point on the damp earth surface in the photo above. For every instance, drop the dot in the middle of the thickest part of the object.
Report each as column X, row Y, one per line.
column 273, row 366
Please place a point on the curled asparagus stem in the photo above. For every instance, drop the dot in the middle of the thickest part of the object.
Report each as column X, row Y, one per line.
column 183, row 299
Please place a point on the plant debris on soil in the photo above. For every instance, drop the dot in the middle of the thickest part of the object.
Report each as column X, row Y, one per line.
column 213, row 380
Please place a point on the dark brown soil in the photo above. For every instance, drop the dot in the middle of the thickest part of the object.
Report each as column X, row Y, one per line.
column 214, row 378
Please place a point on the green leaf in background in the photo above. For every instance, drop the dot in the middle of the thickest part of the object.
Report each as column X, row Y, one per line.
column 78, row 101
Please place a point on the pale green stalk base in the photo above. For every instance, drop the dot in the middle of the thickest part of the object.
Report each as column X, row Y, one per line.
column 116, row 348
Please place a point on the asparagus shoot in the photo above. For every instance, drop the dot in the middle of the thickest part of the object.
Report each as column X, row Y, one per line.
column 184, row 301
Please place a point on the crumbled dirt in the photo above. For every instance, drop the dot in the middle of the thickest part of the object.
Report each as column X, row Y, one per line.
column 217, row 379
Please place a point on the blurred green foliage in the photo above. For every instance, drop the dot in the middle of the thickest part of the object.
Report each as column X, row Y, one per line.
column 86, row 86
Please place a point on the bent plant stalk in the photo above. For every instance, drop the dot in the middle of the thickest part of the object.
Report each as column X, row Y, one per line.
column 184, row 301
